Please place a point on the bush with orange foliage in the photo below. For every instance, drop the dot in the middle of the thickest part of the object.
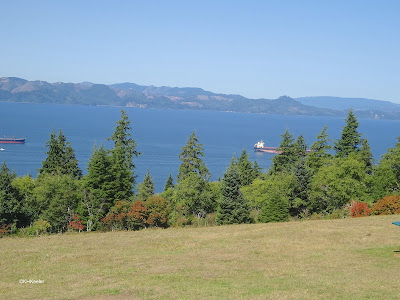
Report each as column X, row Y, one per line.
column 388, row 205
column 158, row 210
column 358, row 209
column 4, row 230
column 126, row 215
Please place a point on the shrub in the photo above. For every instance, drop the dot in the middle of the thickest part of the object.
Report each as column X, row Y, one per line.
column 158, row 209
column 208, row 220
column 75, row 223
column 38, row 228
column 358, row 209
column 4, row 230
column 275, row 210
column 126, row 215
column 180, row 216
column 338, row 214
column 388, row 205
column 317, row 216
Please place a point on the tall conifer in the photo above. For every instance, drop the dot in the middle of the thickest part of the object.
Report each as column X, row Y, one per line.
column 350, row 139
column 232, row 208
column 169, row 183
column 191, row 157
column 285, row 159
column 60, row 158
column 122, row 155
column 193, row 188
column 319, row 150
column 146, row 188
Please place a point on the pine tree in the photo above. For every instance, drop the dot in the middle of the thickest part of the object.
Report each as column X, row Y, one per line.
column 256, row 170
column 192, row 188
column 122, row 154
column 169, row 183
column 191, row 157
column 366, row 155
column 319, row 151
column 246, row 170
column 60, row 158
column 300, row 148
column 301, row 186
column 276, row 210
column 350, row 138
column 10, row 206
column 146, row 189
column 99, row 186
column 284, row 160
column 232, row 208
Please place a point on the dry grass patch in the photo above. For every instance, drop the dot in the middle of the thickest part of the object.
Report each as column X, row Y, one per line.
column 329, row 259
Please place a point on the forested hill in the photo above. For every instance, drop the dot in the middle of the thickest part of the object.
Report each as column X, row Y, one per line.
column 339, row 103
column 132, row 95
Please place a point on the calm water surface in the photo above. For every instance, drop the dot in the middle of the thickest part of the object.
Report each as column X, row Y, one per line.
column 160, row 134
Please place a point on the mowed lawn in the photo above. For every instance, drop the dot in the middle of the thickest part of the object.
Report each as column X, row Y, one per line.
column 328, row 259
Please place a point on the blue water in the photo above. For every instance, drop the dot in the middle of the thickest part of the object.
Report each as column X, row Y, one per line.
column 160, row 135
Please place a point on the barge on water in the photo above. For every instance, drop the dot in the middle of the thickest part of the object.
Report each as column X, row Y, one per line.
column 259, row 146
column 12, row 140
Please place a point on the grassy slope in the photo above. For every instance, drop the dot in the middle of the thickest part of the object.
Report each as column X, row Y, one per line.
column 335, row 259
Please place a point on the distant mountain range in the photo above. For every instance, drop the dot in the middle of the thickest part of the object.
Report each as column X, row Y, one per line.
column 132, row 95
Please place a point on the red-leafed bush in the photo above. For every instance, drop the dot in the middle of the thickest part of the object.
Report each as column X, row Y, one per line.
column 4, row 230
column 358, row 209
column 388, row 205
column 76, row 223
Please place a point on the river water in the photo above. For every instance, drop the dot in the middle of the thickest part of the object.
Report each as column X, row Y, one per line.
column 160, row 134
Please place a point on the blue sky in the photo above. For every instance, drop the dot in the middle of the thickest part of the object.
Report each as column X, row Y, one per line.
column 259, row 49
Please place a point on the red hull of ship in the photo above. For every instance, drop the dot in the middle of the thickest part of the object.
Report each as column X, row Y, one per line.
column 12, row 142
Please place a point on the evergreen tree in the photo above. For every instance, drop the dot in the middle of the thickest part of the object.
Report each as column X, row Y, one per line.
column 246, row 171
column 10, row 207
column 256, row 170
column 300, row 148
column 194, row 193
column 192, row 188
column 146, row 189
column 99, row 190
column 191, row 157
column 275, row 210
column 122, row 167
column 319, row 151
column 366, row 155
column 350, row 138
column 169, row 183
column 60, row 158
column 287, row 156
column 302, row 182
column 232, row 208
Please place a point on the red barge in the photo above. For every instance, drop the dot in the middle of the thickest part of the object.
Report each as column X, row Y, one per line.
column 13, row 140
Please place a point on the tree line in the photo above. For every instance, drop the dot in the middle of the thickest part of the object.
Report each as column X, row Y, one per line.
column 333, row 180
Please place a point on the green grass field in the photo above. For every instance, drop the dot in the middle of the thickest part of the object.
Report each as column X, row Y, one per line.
column 327, row 259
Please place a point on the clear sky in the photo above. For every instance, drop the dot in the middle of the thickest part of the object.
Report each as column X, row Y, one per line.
column 259, row 49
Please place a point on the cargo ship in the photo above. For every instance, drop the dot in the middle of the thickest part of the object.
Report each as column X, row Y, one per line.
column 13, row 140
column 261, row 148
